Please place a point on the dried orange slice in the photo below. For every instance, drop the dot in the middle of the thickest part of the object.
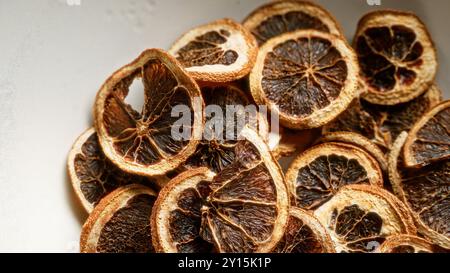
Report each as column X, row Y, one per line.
column 396, row 55
column 243, row 208
column 319, row 172
column 120, row 222
column 360, row 217
column 304, row 234
column 306, row 77
column 93, row 176
column 142, row 142
column 408, row 244
column 429, row 139
column 426, row 193
column 221, row 51
column 278, row 17
column 383, row 123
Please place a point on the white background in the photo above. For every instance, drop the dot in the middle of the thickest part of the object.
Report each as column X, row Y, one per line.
column 54, row 57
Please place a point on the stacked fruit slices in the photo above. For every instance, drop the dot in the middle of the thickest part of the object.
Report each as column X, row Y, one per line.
column 357, row 180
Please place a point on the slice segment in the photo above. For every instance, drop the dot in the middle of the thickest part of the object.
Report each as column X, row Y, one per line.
column 120, row 222
column 319, row 172
column 243, row 208
column 429, row 139
column 279, row 17
column 221, row 51
column 143, row 142
column 359, row 218
column 306, row 77
column 397, row 56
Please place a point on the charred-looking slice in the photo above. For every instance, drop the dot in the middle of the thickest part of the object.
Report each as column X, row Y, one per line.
column 153, row 141
column 304, row 234
column 306, row 77
column 429, row 139
column 120, row 223
column 408, row 244
column 383, row 123
column 426, row 193
column 279, row 17
column 93, row 176
column 396, row 55
column 243, row 208
column 319, row 172
column 221, row 51
column 359, row 218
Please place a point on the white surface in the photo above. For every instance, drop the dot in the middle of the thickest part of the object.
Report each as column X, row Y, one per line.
column 54, row 57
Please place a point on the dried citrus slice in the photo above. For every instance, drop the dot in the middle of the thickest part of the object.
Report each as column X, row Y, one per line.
column 243, row 208
column 306, row 77
column 279, row 17
column 382, row 123
column 359, row 141
column 426, row 193
column 429, row 138
column 360, row 217
column 120, row 222
column 319, row 172
column 221, row 51
column 304, row 234
column 143, row 142
column 93, row 176
column 408, row 244
column 396, row 55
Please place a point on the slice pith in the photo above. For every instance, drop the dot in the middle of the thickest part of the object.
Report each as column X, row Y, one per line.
column 408, row 244
column 319, row 172
column 221, row 51
column 429, row 139
column 306, row 77
column 426, row 193
column 93, row 176
column 120, row 222
column 360, row 217
column 142, row 142
column 304, row 234
column 278, row 17
column 397, row 56
column 243, row 208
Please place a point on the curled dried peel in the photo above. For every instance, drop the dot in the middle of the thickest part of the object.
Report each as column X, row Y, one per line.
column 120, row 222
column 93, row 176
column 306, row 77
column 304, row 234
column 221, row 51
column 408, row 244
column 425, row 192
column 319, row 172
column 243, row 208
column 397, row 56
column 429, row 139
column 360, row 217
column 278, row 17
column 143, row 142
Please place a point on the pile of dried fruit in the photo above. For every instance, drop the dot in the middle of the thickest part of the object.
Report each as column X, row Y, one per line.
column 366, row 124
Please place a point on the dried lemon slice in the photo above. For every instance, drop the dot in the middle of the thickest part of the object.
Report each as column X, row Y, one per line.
column 279, row 17
column 120, row 222
column 396, row 55
column 360, row 217
column 306, row 77
column 319, row 172
column 243, row 208
column 429, row 139
column 143, row 142
column 221, row 51
column 93, row 176
column 425, row 192
column 304, row 234
column 408, row 244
